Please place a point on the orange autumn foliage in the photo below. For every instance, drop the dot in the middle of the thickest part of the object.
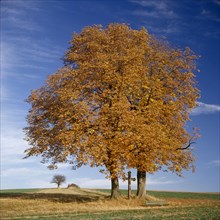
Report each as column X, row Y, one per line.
column 122, row 100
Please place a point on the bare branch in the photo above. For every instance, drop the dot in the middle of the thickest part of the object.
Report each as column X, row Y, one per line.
column 185, row 148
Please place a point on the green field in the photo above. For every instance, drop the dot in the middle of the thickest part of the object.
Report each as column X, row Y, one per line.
column 80, row 205
column 11, row 191
column 170, row 194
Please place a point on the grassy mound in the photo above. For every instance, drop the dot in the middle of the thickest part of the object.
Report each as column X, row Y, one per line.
column 74, row 191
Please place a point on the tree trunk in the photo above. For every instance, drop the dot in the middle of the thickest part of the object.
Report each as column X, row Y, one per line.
column 115, row 193
column 141, row 184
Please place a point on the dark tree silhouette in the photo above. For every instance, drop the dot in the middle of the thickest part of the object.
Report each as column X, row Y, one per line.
column 58, row 179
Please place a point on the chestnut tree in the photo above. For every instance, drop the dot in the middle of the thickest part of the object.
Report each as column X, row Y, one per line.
column 122, row 100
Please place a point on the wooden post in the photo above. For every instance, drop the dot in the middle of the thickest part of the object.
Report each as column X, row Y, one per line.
column 129, row 183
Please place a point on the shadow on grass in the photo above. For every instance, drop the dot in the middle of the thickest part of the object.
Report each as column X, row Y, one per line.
column 54, row 197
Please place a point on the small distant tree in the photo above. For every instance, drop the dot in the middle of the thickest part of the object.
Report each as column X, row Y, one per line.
column 58, row 179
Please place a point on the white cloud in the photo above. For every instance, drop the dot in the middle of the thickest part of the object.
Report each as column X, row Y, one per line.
column 160, row 181
column 146, row 13
column 208, row 15
column 15, row 13
column 205, row 12
column 169, row 29
column 155, row 14
column 32, row 175
column 37, row 183
column 154, row 9
column 159, row 5
column 17, row 171
column 12, row 135
column 4, row 92
column 26, row 177
column 92, row 183
column 204, row 108
column 217, row 2
column 19, row 52
column 36, row 175
column 106, row 183
column 215, row 163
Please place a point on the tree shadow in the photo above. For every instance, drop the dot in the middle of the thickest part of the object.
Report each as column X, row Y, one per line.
column 55, row 197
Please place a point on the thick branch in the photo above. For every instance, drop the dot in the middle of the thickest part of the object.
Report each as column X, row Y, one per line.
column 185, row 148
column 150, row 96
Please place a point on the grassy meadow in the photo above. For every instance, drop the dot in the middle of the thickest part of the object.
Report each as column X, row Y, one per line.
column 87, row 204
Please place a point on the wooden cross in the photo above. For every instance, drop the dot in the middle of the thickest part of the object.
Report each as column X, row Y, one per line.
column 129, row 183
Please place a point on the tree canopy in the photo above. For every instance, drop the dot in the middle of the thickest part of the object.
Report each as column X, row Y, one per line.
column 58, row 179
column 122, row 100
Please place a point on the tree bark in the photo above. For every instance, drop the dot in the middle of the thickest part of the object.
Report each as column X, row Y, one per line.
column 141, row 184
column 115, row 193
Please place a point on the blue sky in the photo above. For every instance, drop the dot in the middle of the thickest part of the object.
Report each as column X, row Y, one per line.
column 34, row 37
